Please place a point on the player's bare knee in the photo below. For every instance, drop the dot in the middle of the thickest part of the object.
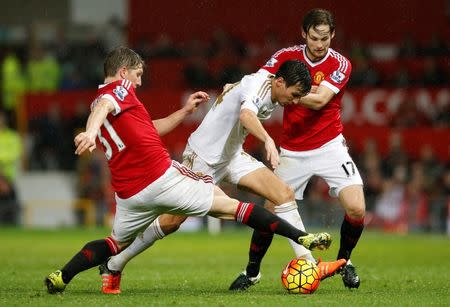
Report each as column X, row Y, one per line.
column 352, row 199
column 284, row 195
column 175, row 225
column 290, row 194
column 171, row 223
column 356, row 211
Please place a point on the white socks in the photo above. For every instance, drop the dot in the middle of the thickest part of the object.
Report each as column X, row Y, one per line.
column 289, row 212
column 142, row 242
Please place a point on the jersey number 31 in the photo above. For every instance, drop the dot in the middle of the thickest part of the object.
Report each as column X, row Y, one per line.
column 114, row 137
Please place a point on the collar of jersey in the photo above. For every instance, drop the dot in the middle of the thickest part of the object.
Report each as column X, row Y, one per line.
column 312, row 64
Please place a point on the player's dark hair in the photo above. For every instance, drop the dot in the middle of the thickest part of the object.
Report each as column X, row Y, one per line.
column 120, row 57
column 293, row 72
column 317, row 17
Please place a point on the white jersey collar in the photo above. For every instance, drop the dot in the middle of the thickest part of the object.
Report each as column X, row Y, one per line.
column 311, row 63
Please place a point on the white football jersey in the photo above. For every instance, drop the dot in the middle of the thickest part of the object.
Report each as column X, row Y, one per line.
column 221, row 134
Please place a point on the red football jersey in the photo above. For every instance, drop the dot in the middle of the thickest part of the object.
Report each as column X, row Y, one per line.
column 136, row 155
column 303, row 128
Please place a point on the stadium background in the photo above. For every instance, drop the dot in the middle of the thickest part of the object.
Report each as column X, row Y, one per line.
column 396, row 109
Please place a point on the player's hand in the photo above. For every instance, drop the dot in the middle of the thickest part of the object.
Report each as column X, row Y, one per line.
column 272, row 153
column 195, row 100
column 84, row 141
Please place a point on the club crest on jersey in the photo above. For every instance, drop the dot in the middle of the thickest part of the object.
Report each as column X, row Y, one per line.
column 337, row 76
column 271, row 62
column 318, row 77
column 120, row 92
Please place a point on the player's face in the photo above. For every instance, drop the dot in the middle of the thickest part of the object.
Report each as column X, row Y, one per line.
column 290, row 95
column 318, row 41
column 135, row 75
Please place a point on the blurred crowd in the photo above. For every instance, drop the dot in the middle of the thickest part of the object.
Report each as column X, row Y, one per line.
column 70, row 64
column 403, row 194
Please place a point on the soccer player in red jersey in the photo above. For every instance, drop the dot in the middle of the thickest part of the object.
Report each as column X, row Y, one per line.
column 146, row 181
column 312, row 141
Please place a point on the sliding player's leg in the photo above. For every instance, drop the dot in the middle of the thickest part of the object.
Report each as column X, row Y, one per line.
column 111, row 270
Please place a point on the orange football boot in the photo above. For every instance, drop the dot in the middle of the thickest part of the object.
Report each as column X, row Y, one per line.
column 328, row 269
column 110, row 280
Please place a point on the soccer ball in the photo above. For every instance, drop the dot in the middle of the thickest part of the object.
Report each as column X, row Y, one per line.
column 301, row 276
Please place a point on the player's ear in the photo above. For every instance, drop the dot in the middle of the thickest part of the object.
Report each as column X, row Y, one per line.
column 332, row 34
column 123, row 72
column 303, row 34
column 279, row 82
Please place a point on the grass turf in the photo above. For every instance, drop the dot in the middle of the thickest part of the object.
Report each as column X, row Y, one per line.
column 192, row 269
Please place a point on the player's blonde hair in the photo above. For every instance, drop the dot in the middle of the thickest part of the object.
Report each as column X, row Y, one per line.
column 121, row 57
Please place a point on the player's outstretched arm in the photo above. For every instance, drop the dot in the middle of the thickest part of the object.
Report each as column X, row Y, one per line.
column 86, row 140
column 317, row 98
column 167, row 124
column 251, row 122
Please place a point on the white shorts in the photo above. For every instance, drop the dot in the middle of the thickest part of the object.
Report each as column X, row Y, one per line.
column 230, row 171
column 178, row 191
column 331, row 162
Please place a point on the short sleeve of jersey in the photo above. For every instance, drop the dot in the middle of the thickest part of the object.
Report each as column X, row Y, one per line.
column 340, row 74
column 252, row 103
column 120, row 93
column 279, row 58
column 249, row 95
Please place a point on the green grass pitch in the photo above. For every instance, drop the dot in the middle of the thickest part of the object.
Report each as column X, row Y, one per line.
column 195, row 269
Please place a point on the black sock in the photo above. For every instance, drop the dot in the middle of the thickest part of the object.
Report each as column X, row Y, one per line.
column 263, row 220
column 351, row 230
column 92, row 254
column 258, row 247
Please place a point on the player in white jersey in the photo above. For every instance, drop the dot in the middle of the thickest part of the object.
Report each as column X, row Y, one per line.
column 312, row 143
column 215, row 149
column 222, row 125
